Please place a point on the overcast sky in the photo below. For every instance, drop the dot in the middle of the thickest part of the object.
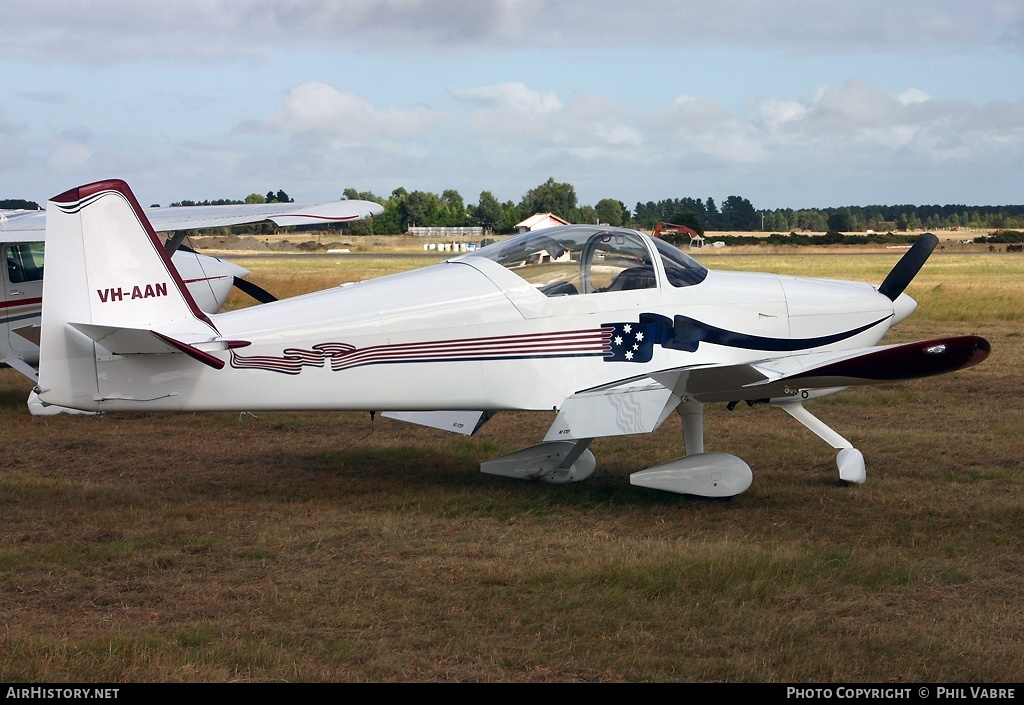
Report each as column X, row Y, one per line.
column 789, row 104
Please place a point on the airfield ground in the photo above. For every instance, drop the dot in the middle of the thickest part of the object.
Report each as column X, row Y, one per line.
column 326, row 547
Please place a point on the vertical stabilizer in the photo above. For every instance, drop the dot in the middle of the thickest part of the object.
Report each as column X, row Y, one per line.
column 105, row 266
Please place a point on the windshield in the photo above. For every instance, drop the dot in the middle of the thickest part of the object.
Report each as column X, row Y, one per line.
column 681, row 269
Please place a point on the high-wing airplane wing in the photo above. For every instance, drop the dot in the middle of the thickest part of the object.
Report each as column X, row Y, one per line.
column 193, row 217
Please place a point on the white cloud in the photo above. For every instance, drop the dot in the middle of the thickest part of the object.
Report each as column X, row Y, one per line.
column 67, row 158
column 857, row 117
column 513, row 97
column 318, row 112
column 913, row 96
column 695, row 115
column 13, row 152
column 839, row 138
column 698, row 128
column 513, row 118
column 776, row 112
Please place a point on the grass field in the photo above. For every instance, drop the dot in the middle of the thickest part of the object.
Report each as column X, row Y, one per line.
column 324, row 547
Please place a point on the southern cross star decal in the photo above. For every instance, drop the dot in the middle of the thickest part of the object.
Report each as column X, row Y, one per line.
column 629, row 343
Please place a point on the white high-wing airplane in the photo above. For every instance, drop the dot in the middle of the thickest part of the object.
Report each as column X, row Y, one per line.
column 208, row 280
column 610, row 328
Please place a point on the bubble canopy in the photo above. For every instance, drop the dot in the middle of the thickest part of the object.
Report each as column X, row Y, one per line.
column 587, row 259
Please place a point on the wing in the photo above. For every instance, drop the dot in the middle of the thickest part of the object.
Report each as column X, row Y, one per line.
column 15, row 225
column 192, row 217
column 782, row 376
column 640, row 404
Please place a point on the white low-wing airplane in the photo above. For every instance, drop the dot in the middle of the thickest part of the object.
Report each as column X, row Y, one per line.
column 610, row 328
column 208, row 280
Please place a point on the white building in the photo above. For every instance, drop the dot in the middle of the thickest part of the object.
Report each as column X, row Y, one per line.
column 539, row 221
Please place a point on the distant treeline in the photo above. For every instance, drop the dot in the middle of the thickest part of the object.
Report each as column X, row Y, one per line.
column 404, row 209
column 18, row 204
column 838, row 238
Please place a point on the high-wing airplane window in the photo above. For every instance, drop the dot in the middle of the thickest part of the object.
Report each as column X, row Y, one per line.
column 681, row 269
column 24, row 262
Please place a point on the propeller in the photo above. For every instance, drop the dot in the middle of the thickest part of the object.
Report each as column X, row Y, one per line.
column 908, row 266
column 256, row 292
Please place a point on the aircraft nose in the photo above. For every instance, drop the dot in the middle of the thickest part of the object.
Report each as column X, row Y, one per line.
column 902, row 307
column 826, row 297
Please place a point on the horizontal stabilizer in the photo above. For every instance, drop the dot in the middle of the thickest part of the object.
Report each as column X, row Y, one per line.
column 138, row 341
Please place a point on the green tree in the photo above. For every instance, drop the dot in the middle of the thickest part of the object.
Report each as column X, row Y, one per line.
column 583, row 214
column 351, row 193
column 712, row 219
column 612, row 212
column 550, row 197
column 839, row 221
column 255, row 198
column 456, row 212
column 279, row 197
column 776, row 222
column 416, row 209
column 739, row 214
column 511, row 214
column 487, row 212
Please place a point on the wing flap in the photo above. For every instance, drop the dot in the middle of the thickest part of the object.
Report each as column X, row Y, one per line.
column 638, row 407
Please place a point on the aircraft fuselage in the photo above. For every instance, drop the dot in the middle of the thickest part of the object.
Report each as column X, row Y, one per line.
column 471, row 333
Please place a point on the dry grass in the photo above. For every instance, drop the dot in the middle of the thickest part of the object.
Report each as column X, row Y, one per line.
column 319, row 547
column 291, row 275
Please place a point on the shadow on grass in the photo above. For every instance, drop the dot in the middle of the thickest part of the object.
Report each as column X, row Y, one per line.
column 450, row 479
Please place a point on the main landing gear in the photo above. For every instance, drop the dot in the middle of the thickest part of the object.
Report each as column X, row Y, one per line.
column 698, row 473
